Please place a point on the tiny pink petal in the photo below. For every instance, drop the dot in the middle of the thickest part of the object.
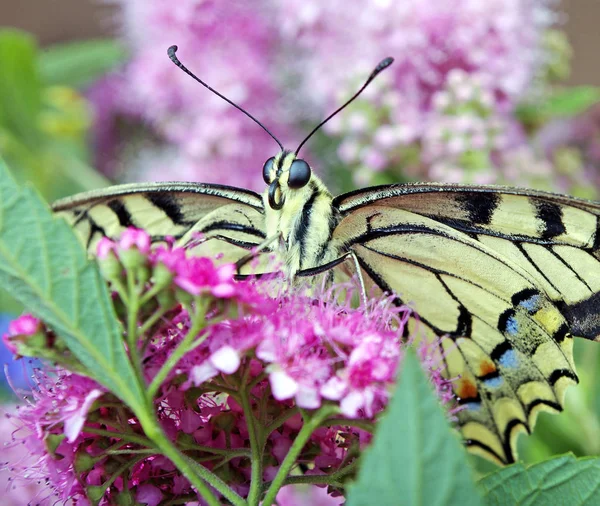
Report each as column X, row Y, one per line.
column 350, row 404
column 104, row 247
column 74, row 423
column 267, row 351
column 149, row 495
column 135, row 237
column 333, row 389
column 226, row 272
column 224, row 290
column 308, row 398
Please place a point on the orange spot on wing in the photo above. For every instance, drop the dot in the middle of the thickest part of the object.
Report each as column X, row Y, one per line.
column 466, row 389
column 486, row 367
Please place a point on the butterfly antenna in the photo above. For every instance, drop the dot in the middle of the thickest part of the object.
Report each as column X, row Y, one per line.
column 171, row 52
column 382, row 65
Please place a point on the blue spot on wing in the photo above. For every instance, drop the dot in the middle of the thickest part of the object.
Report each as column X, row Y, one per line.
column 494, row 382
column 531, row 304
column 509, row 359
column 512, row 326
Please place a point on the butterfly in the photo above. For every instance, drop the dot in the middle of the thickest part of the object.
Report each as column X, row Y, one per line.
column 501, row 278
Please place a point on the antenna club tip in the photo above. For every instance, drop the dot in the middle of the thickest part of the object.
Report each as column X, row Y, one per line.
column 386, row 62
column 172, row 50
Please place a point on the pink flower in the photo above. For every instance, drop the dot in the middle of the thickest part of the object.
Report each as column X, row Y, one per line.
column 149, row 495
column 135, row 237
column 21, row 481
column 302, row 495
column 299, row 349
column 453, row 60
column 199, row 275
column 26, row 325
column 104, row 247
column 171, row 258
column 18, row 331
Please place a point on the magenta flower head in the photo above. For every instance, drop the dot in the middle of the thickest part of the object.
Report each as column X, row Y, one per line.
column 229, row 362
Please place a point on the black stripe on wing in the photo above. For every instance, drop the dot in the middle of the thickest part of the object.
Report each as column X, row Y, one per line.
column 505, row 432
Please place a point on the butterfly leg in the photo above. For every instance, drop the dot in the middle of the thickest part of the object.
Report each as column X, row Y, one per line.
column 255, row 251
column 350, row 255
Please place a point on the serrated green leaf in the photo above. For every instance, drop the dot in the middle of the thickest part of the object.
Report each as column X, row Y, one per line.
column 563, row 480
column 77, row 64
column 43, row 265
column 415, row 457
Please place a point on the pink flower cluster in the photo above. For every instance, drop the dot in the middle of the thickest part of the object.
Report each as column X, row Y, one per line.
column 266, row 358
column 232, row 47
column 461, row 68
column 194, row 275
column 311, row 352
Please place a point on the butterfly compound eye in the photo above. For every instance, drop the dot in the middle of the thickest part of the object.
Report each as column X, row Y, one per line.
column 299, row 174
column 267, row 169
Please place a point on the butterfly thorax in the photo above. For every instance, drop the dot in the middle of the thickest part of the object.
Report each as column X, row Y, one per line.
column 303, row 218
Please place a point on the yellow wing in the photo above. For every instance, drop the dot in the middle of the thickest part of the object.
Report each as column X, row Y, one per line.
column 231, row 220
column 507, row 275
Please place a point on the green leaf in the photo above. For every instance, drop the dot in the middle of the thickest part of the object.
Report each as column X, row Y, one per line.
column 20, row 87
column 415, row 457
column 43, row 265
column 562, row 480
column 571, row 101
column 565, row 103
column 77, row 64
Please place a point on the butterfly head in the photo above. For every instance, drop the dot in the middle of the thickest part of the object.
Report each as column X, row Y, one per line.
column 285, row 173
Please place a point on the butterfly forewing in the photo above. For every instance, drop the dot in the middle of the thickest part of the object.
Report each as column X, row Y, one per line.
column 209, row 219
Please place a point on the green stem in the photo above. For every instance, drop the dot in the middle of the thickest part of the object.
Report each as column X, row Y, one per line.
column 180, row 351
column 348, row 422
column 154, row 317
column 256, row 446
column 319, row 479
column 132, row 330
column 231, row 454
column 124, row 436
column 198, row 475
column 311, row 423
column 280, row 420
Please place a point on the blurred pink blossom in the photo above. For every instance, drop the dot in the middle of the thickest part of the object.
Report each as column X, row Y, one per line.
column 231, row 46
column 461, row 68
